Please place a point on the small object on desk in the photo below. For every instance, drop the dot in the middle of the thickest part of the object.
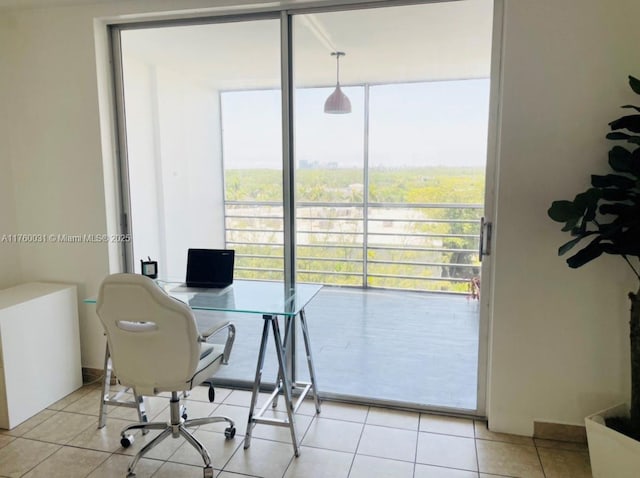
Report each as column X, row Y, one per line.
column 149, row 268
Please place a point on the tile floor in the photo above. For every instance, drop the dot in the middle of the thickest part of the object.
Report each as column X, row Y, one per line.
column 353, row 441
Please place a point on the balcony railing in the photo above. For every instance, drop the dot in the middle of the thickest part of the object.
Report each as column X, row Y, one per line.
column 422, row 247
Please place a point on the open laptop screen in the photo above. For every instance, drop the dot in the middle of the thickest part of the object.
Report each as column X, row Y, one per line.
column 210, row 267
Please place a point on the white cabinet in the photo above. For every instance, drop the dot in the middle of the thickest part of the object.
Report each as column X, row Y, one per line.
column 39, row 349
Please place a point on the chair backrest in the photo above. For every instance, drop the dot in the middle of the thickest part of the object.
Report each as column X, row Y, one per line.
column 153, row 338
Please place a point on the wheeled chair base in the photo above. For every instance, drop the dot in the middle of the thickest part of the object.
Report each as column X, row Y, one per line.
column 176, row 428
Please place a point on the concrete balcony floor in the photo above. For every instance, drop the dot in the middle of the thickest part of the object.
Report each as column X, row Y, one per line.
column 377, row 346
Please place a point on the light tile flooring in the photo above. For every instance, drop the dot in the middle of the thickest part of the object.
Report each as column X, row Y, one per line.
column 353, row 441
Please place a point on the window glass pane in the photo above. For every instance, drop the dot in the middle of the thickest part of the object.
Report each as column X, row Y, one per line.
column 186, row 133
column 330, row 160
column 428, row 141
column 428, row 146
column 252, row 151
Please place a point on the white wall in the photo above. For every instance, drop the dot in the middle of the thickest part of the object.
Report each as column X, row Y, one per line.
column 56, row 150
column 143, row 151
column 9, row 260
column 57, row 165
column 175, row 163
column 559, row 349
column 189, row 124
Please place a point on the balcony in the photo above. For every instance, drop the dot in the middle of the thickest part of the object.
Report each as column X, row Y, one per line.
column 395, row 323
column 409, row 247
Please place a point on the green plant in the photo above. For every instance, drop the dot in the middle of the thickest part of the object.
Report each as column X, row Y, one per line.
column 608, row 216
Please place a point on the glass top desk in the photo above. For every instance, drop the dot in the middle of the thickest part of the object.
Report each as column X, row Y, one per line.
column 270, row 300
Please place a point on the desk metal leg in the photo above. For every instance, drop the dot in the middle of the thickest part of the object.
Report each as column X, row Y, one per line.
column 286, row 385
column 307, row 346
column 256, row 383
column 305, row 387
column 285, row 352
column 289, row 353
column 289, row 344
column 283, row 385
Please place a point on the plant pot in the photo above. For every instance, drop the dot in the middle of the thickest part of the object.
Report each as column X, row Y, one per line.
column 612, row 454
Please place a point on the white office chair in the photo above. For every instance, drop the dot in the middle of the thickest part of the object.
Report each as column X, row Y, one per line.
column 155, row 347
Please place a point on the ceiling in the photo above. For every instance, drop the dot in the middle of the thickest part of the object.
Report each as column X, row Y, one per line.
column 434, row 41
column 449, row 40
column 46, row 3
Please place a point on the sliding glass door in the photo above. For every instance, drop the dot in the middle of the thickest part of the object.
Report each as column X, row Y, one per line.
column 204, row 151
column 391, row 126
column 346, row 148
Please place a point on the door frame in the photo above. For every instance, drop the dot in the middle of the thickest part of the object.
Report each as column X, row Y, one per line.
column 490, row 204
column 286, row 14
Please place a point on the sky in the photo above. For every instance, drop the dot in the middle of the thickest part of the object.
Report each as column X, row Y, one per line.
column 440, row 123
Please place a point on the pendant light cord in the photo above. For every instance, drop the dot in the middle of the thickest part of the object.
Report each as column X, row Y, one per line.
column 338, row 54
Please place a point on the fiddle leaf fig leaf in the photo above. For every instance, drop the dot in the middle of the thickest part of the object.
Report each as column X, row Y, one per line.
column 634, row 165
column 612, row 181
column 592, row 251
column 563, row 211
column 617, row 135
column 614, row 195
column 582, row 230
column 586, row 200
column 590, row 213
column 620, row 159
column 631, row 123
column 635, row 84
column 618, row 209
column 608, row 231
column 571, row 224
column 629, row 243
column 568, row 245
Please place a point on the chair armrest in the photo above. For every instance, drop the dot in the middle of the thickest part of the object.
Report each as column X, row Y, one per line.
column 217, row 329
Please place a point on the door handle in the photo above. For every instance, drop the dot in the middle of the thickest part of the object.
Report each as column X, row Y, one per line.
column 485, row 238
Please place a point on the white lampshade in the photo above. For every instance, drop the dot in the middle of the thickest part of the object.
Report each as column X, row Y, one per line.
column 337, row 103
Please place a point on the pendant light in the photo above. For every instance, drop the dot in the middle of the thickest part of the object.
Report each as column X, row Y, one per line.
column 337, row 103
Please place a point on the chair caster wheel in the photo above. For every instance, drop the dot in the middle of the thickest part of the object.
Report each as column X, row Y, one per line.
column 208, row 472
column 126, row 441
column 212, row 394
column 229, row 432
column 185, row 416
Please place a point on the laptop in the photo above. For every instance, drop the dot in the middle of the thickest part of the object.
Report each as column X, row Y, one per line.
column 208, row 269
